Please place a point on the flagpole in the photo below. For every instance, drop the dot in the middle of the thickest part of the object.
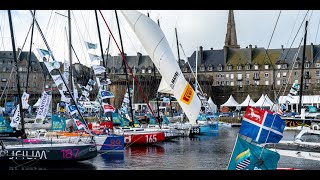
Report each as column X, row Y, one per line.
column 234, row 146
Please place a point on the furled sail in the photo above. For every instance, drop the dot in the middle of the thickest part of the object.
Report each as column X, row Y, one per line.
column 157, row 46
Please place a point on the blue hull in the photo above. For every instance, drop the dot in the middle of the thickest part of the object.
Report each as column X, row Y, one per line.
column 209, row 128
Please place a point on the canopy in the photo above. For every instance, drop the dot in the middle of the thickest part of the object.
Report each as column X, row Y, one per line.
column 247, row 101
column 212, row 105
column 312, row 99
column 264, row 101
column 231, row 102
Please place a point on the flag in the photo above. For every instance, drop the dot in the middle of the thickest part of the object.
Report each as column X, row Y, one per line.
column 57, row 79
column 44, row 53
column 98, row 81
column 15, row 120
column 248, row 156
column 90, row 45
column 80, row 125
column 98, row 69
column 108, row 108
column 256, row 124
column 94, row 57
column 52, row 65
column 25, row 99
column 72, row 109
column 106, row 94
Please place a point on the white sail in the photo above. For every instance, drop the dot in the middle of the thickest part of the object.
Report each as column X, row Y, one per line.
column 164, row 87
column 157, row 46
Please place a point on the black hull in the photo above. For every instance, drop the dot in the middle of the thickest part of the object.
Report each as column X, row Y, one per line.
column 50, row 152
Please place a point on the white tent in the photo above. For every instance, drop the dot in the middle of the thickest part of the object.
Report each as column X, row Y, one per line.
column 247, row 101
column 212, row 105
column 268, row 99
column 263, row 102
column 231, row 102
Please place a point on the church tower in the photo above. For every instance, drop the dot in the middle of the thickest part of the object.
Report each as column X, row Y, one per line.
column 231, row 36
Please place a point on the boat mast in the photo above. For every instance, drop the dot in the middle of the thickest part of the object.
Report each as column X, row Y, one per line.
column 29, row 62
column 23, row 136
column 70, row 53
column 125, row 69
column 302, row 69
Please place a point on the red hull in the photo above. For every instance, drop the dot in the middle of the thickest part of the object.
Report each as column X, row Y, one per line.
column 143, row 138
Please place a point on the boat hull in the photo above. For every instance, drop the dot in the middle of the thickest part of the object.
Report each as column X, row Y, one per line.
column 50, row 152
column 143, row 138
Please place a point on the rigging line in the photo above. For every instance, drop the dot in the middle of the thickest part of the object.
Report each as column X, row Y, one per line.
column 2, row 31
column 293, row 28
column 85, row 25
column 125, row 61
column 315, row 40
column 79, row 36
column 48, row 23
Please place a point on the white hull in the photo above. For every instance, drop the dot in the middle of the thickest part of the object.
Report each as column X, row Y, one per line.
column 299, row 154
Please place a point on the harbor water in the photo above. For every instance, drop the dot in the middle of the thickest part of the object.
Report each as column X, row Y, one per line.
column 210, row 152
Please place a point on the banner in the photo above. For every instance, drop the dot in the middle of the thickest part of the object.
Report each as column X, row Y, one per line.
column 261, row 126
column 106, row 94
column 58, row 123
column 98, row 69
column 43, row 108
column 57, row 79
column 52, row 65
column 5, row 126
column 44, row 53
column 15, row 120
column 25, row 99
column 248, row 156
column 72, row 109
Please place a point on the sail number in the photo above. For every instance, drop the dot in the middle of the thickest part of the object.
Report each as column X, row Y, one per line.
column 151, row 138
column 69, row 153
column 195, row 130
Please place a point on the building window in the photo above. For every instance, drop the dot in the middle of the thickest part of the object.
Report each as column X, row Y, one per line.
column 317, row 65
column 278, row 82
column 228, row 83
column 143, row 70
column 239, row 67
column 149, row 71
column 232, row 83
column 231, row 76
column 266, row 75
column 284, row 66
column 256, row 75
column 256, row 82
column 306, row 65
column 239, row 83
column 239, row 76
column 247, row 82
column 296, row 65
column 210, row 68
column 202, row 68
column 318, row 81
column 296, row 81
column 266, row 66
column 256, row 67
column 279, row 66
column 247, row 76
column 229, row 68
column 317, row 73
column 284, row 74
column 295, row 73
column 222, row 83
column 220, row 68
column 227, row 76
column 247, row 67
column 266, row 83
column 218, row 83
column 278, row 75
column 284, row 81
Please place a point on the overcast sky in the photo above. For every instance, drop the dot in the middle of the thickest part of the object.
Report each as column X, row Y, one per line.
column 205, row 28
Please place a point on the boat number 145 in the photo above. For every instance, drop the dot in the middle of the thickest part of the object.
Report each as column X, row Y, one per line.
column 151, row 138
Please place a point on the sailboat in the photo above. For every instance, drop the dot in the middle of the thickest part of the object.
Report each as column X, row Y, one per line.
column 21, row 149
column 162, row 56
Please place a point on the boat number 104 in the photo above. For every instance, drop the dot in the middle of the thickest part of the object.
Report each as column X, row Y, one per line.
column 69, row 153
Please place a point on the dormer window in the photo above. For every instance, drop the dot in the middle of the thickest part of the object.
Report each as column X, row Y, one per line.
column 210, row 68
column 248, row 67
column 296, row 65
column 202, row 67
column 256, row 66
column 317, row 65
column 307, row 65
column 229, row 67
column 279, row 66
column 266, row 66
column 149, row 70
column 284, row 66
column 239, row 67
column 220, row 67
column 143, row 70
